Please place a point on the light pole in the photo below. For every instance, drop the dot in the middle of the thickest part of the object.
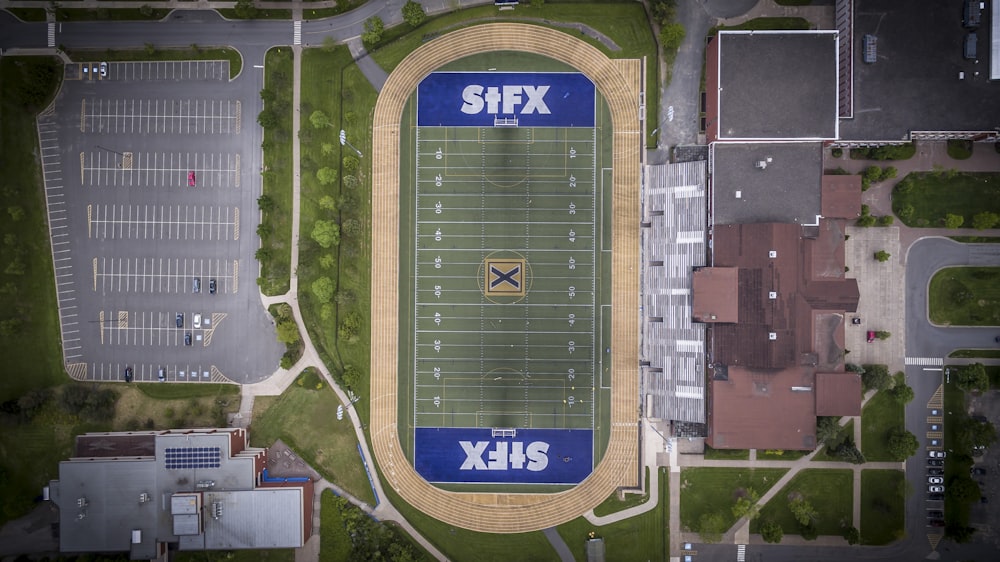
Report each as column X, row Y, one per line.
column 343, row 142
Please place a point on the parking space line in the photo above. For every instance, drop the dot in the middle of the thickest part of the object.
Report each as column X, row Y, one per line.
column 192, row 116
column 118, row 222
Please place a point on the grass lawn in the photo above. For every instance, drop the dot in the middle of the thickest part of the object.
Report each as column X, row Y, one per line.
column 976, row 239
column 28, row 14
column 644, row 537
column 976, row 353
column 847, row 429
column 879, row 415
column 348, row 264
column 275, row 254
column 958, row 463
column 614, row 505
column 304, row 418
column 780, row 455
column 932, row 195
column 624, row 23
column 882, row 506
column 965, row 296
column 713, row 490
column 106, row 14
column 459, row 544
column 829, row 492
column 334, row 540
column 201, row 53
column 727, row 454
column 29, row 321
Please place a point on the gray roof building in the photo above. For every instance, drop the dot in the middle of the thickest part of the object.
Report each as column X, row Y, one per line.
column 767, row 182
column 204, row 489
column 773, row 85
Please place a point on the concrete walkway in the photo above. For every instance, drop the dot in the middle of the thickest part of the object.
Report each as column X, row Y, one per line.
column 559, row 544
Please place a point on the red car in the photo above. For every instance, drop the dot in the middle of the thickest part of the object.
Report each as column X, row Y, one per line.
column 191, row 181
column 871, row 333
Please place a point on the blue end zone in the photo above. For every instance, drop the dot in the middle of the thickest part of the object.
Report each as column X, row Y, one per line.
column 534, row 456
column 474, row 99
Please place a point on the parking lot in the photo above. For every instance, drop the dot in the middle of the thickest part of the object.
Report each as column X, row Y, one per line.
column 984, row 515
column 146, row 184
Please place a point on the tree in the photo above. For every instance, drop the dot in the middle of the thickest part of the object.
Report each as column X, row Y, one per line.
column 959, row 533
column 711, row 526
column 882, row 256
column 901, row 444
column 852, row 535
column 883, row 335
column 413, row 13
column 265, row 203
column 973, row 433
column 351, row 164
column 906, row 211
column 145, row 10
column 901, row 393
column 352, row 227
column 326, row 261
column 16, row 213
column 866, row 220
column 972, row 377
column 827, row 428
column 319, row 120
column 953, row 221
column 885, row 220
column 327, row 148
column 771, row 531
column 671, row 37
column 328, row 202
column 351, row 376
column 374, row 27
column 350, row 182
column 803, row 511
column 963, row 488
column 985, row 220
column 872, row 173
column 267, row 119
column 288, row 331
column 245, row 9
column 809, row 532
column 876, row 377
column 746, row 506
column 326, row 176
column 889, row 173
column 326, row 233
column 323, row 288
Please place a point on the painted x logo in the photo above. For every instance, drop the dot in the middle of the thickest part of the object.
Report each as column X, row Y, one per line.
column 501, row 277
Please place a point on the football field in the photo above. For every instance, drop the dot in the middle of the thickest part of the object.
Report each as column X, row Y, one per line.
column 504, row 306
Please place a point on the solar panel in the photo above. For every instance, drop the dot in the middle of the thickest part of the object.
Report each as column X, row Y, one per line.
column 192, row 457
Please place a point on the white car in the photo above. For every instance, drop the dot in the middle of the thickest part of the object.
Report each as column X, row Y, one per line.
column 936, row 454
column 935, row 489
column 104, row 69
column 197, row 321
column 935, row 480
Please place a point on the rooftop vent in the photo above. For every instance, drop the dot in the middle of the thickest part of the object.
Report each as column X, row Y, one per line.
column 773, row 336
column 739, row 194
column 772, row 295
column 772, row 254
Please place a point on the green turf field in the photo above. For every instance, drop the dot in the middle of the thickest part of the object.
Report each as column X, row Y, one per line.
column 505, row 278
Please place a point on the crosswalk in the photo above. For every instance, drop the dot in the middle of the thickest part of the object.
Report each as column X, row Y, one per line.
column 936, row 361
column 297, row 32
column 52, row 34
column 741, row 553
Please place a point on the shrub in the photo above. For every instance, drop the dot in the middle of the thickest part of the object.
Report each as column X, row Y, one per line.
column 413, row 13
column 882, row 256
column 374, row 27
column 837, row 152
column 876, row 377
column 984, row 220
column 771, row 531
column 866, row 220
column 885, row 220
column 953, row 221
column 959, row 149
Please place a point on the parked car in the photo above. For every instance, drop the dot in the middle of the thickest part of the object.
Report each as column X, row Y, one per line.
column 162, row 375
column 128, row 374
column 935, row 522
column 104, row 69
column 935, row 514
column 933, row 442
column 935, row 412
column 871, row 336
column 180, row 319
column 977, row 471
column 196, row 285
column 933, row 427
column 935, row 480
column 191, row 179
column 187, row 338
column 936, row 455
column 935, row 462
column 935, row 489
column 935, row 472
column 935, row 497
column 984, row 499
column 197, row 321
column 211, row 286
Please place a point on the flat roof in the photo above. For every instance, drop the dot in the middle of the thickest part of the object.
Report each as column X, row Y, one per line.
column 777, row 85
column 786, row 189
column 764, row 410
column 915, row 85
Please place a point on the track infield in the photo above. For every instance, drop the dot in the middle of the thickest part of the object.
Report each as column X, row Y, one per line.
column 495, row 279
